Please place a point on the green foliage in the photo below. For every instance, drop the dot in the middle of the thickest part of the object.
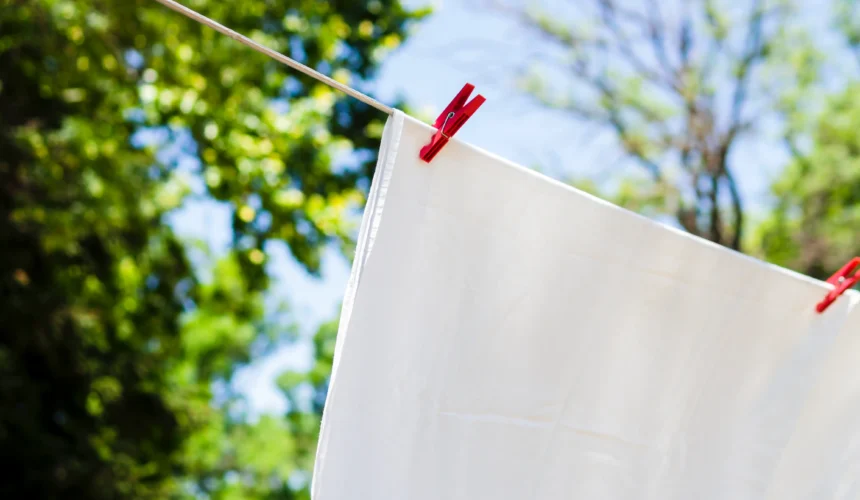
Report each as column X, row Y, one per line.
column 813, row 227
column 848, row 22
column 112, row 342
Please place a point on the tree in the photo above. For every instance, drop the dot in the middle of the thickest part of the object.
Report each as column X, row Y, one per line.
column 813, row 225
column 678, row 91
column 112, row 340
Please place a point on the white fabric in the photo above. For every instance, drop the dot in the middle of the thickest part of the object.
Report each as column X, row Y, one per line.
column 507, row 337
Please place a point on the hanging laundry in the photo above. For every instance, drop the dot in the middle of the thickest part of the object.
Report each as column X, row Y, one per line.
column 505, row 336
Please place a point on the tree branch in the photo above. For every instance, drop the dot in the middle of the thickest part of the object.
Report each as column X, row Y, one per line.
column 609, row 14
column 718, row 36
column 754, row 51
column 615, row 69
column 716, row 230
column 737, row 210
column 656, row 29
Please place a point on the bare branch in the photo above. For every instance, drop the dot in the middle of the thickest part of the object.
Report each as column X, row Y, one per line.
column 716, row 230
column 717, row 45
column 609, row 67
column 754, row 52
column 656, row 30
column 685, row 42
column 737, row 210
column 581, row 67
column 609, row 14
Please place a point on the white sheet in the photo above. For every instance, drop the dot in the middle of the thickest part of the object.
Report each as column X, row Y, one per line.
column 507, row 337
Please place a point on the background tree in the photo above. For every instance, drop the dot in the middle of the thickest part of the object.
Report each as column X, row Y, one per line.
column 678, row 83
column 111, row 113
column 813, row 225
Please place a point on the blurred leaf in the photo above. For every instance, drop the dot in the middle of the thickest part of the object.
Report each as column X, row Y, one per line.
column 115, row 371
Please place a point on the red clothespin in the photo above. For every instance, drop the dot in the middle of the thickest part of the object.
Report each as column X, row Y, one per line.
column 841, row 281
column 450, row 121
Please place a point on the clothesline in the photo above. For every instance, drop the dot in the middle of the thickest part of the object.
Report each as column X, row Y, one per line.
column 200, row 18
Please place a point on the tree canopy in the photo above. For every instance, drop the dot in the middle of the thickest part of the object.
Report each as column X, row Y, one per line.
column 112, row 114
column 812, row 226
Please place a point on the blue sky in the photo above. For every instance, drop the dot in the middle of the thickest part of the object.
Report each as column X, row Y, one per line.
column 459, row 43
